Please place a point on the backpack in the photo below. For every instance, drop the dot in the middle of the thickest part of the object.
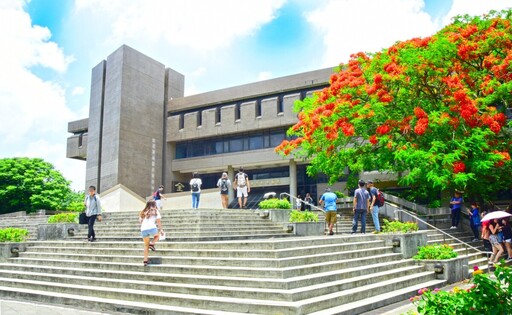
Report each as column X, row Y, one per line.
column 240, row 179
column 195, row 186
column 223, row 185
column 379, row 201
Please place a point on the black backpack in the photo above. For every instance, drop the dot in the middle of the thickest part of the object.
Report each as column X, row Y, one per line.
column 195, row 186
column 224, row 185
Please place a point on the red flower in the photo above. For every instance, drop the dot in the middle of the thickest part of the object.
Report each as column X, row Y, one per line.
column 373, row 139
column 421, row 126
column 419, row 112
column 459, row 167
column 383, row 129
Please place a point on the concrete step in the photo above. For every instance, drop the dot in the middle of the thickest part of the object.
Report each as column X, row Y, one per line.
column 214, row 261
column 237, row 253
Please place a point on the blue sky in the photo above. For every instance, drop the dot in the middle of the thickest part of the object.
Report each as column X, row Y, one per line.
column 50, row 46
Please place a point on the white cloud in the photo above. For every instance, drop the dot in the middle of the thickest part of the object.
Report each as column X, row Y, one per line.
column 33, row 112
column 352, row 26
column 197, row 24
column 78, row 90
column 475, row 7
column 264, row 75
column 198, row 72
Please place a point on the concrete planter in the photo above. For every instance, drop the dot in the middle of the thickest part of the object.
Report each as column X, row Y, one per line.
column 408, row 242
column 454, row 269
column 279, row 215
column 308, row 228
column 9, row 250
column 56, row 231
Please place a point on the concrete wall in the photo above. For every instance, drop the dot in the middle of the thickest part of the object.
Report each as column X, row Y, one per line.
column 120, row 198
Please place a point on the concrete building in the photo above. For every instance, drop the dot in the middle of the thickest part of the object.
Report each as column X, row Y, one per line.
column 142, row 131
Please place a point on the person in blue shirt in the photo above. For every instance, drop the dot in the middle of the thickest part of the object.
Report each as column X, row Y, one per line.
column 328, row 200
column 474, row 220
column 456, row 206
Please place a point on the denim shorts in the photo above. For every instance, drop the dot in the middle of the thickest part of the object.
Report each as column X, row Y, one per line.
column 150, row 232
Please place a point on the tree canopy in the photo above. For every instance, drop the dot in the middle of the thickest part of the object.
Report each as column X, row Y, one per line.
column 31, row 184
column 430, row 110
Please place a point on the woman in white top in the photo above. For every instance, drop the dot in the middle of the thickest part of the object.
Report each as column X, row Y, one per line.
column 150, row 226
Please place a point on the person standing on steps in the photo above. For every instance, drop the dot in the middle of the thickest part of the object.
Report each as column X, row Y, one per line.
column 157, row 197
column 309, row 202
column 224, row 183
column 195, row 188
column 374, row 208
column 328, row 200
column 456, row 207
column 474, row 220
column 361, row 207
column 243, row 187
column 150, row 227
column 92, row 203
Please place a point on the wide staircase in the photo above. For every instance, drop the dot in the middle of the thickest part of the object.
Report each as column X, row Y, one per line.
column 214, row 262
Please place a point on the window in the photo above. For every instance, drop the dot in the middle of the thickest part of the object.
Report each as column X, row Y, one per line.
column 276, row 139
column 236, row 144
column 258, row 108
column 200, row 118
column 280, row 105
column 181, row 121
column 238, row 112
column 181, row 150
column 256, row 142
column 217, row 115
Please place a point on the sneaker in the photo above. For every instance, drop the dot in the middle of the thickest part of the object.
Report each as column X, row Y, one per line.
column 152, row 247
column 452, row 227
column 146, row 263
column 475, row 240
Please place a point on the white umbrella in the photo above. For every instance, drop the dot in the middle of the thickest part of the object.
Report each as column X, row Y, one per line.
column 496, row 215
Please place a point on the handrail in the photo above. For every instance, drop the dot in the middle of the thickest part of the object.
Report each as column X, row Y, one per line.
column 305, row 202
column 309, row 204
column 466, row 245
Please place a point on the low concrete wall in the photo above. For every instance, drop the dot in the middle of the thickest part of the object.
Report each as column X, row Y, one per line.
column 55, row 231
column 308, row 228
column 9, row 250
column 409, row 242
column 280, row 216
column 209, row 199
column 454, row 270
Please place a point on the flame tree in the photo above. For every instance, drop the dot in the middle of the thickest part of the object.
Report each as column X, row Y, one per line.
column 430, row 110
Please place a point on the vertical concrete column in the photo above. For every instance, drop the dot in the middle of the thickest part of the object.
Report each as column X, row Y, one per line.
column 293, row 178
column 231, row 176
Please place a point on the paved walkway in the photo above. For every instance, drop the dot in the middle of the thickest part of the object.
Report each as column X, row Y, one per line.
column 8, row 307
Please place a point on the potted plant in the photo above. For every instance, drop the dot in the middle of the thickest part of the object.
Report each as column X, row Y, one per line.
column 12, row 242
column 305, row 223
column 405, row 237
column 59, row 226
column 277, row 210
column 442, row 259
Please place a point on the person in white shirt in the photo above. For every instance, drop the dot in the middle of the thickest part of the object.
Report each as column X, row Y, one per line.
column 150, row 227
column 195, row 188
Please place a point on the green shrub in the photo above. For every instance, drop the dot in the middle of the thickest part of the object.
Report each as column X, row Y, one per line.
column 303, row 216
column 339, row 194
column 434, row 204
column 13, row 235
column 275, row 203
column 435, row 251
column 70, row 217
column 399, row 227
column 486, row 295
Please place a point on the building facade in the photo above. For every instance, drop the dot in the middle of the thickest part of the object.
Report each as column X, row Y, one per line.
column 142, row 131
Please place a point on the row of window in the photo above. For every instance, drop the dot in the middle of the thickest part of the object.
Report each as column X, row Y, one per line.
column 229, row 144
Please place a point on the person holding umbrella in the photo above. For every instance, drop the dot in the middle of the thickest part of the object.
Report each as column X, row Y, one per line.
column 497, row 249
